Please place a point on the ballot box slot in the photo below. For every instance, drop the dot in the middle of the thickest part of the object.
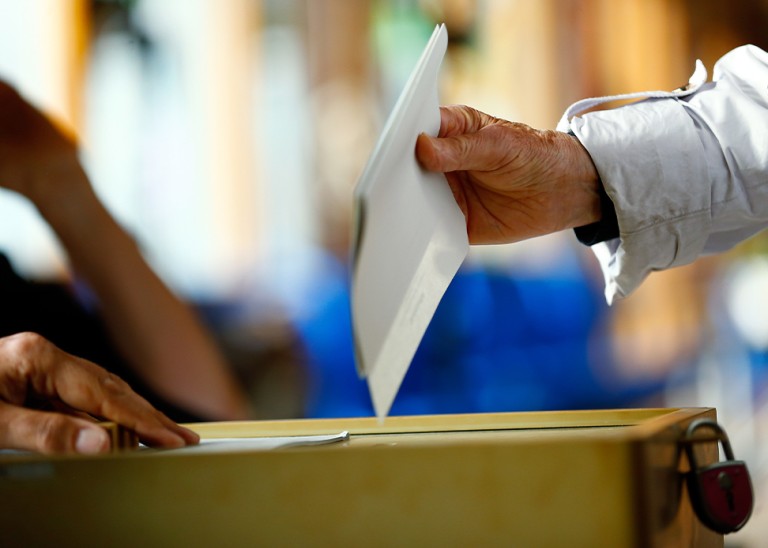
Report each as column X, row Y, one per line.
column 544, row 420
column 457, row 436
column 492, row 430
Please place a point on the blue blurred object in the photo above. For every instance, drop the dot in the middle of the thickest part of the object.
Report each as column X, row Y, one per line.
column 499, row 341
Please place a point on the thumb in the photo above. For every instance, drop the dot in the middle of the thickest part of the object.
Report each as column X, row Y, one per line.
column 442, row 154
column 429, row 152
column 47, row 432
column 470, row 151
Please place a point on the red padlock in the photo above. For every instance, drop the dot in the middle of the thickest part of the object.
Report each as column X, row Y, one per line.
column 721, row 493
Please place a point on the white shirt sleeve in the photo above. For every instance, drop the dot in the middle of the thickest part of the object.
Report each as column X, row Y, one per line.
column 687, row 175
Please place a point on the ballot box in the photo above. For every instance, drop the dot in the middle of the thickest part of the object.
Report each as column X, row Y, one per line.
column 576, row 478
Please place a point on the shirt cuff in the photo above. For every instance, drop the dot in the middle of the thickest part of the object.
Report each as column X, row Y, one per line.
column 607, row 228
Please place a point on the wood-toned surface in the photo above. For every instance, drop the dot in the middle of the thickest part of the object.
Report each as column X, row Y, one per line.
column 604, row 478
column 435, row 423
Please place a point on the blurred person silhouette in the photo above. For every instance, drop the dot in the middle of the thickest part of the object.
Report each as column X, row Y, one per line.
column 139, row 331
column 650, row 185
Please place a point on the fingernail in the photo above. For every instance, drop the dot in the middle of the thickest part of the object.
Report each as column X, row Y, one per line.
column 191, row 434
column 91, row 441
column 425, row 150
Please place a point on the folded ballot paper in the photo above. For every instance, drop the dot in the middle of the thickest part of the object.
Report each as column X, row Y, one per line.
column 235, row 445
column 410, row 237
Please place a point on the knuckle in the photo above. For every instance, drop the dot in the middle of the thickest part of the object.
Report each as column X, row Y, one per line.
column 50, row 434
column 25, row 348
column 24, row 343
column 495, row 131
column 465, row 148
column 115, row 393
column 113, row 384
column 468, row 117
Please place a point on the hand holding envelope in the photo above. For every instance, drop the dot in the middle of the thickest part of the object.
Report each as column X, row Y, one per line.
column 410, row 239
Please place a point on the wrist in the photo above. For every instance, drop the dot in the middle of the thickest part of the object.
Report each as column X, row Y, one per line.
column 597, row 226
column 69, row 203
column 585, row 190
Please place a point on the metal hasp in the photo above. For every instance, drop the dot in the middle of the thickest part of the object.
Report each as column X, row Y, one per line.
column 721, row 493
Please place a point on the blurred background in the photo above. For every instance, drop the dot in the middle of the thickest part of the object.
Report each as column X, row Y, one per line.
column 227, row 136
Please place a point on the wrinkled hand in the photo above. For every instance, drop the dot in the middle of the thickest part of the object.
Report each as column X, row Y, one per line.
column 511, row 181
column 35, row 375
column 35, row 156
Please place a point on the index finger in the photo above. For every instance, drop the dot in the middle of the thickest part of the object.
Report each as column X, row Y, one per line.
column 86, row 386
column 460, row 119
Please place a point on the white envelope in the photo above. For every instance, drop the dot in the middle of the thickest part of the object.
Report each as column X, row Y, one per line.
column 410, row 237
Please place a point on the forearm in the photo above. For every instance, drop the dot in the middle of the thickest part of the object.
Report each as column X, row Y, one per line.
column 159, row 335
